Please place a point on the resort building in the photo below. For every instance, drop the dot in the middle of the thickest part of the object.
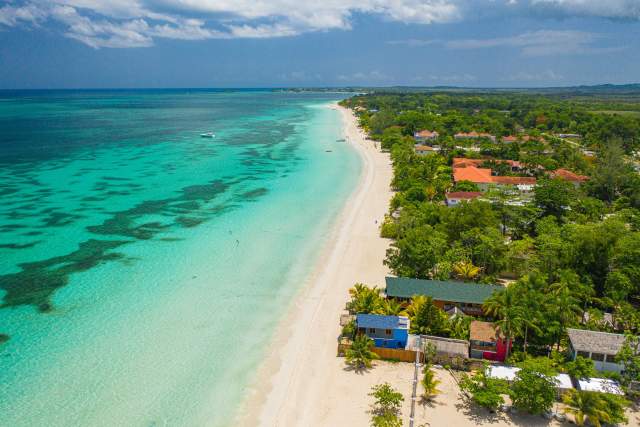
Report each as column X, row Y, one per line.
column 487, row 342
column 484, row 179
column 601, row 347
column 474, row 135
column 461, row 162
column 524, row 184
column 386, row 331
column 425, row 135
column 569, row 176
column 467, row 296
column 422, row 150
column 479, row 176
column 456, row 197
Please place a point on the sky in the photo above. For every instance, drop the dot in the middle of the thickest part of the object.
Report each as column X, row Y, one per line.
column 300, row 43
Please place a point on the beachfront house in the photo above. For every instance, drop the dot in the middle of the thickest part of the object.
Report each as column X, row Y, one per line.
column 484, row 179
column 479, row 176
column 487, row 342
column 446, row 294
column 385, row 331
column 474, row 135
column 422, row 150
column 425, row 135
column 601, row 347
column 456, row 197
column 463, row 162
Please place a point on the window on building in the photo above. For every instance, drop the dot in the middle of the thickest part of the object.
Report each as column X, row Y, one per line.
column 372, row 330
column 598, row 357
column 584, row 354
column 387, row 331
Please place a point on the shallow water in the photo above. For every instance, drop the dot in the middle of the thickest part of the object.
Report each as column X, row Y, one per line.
column 143, row 268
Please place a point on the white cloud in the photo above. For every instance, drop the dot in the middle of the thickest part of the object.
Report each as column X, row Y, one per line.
column 14, row 15
column 135, row 23
column 616, row 9
column 539, row 43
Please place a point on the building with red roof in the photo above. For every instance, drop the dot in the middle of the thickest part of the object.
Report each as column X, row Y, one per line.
column 426, row 135
column 474, row 135
column 569, row 176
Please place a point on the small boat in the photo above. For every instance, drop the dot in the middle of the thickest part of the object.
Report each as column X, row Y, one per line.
column 208, row 135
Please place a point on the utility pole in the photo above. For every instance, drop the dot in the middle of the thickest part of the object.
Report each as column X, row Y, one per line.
column 415, row 380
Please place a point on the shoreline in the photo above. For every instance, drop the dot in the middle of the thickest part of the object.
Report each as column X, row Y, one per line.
column 295, row 381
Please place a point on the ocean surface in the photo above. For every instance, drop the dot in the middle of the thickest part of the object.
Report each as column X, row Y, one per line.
column 143, row 268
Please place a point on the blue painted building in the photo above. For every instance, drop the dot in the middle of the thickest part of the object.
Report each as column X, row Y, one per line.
column 386, row 331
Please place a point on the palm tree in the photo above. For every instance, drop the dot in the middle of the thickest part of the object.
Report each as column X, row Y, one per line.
column 392, row 307
column 585, row 405
column 364, row 299
column 429, row 384
column 566, row 306
column 359, row 355
column 416, row 302
column 465, row 270
column 510, row 314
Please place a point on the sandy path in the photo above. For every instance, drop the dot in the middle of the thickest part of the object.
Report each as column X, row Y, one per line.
column 297, row 381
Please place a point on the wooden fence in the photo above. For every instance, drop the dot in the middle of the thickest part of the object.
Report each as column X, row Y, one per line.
column 399, row 354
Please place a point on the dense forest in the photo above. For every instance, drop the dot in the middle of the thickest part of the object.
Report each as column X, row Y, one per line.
column 570, row 253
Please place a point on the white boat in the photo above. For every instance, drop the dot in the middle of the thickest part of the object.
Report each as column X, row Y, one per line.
column 208, row 135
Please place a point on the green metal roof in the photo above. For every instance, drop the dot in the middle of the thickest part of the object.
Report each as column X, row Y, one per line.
column 453, row 291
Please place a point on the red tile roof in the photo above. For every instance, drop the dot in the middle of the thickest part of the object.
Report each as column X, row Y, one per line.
column 567, row 175
column 473, row 174
column 509, row 138
column 423, row 148
column 461, row 162
column 426, row 134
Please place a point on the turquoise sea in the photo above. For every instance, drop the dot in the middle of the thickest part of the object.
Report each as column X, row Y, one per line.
column 144, row 268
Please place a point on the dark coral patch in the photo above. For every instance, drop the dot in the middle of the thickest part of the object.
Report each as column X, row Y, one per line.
column 254, row 194
column 189, row 221
column 37, row 281
column 18, row 245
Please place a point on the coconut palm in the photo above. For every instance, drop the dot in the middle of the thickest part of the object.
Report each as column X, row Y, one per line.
column 364, row 299
column 511, row 316
column 429, row 383
column 585, row 405
column 465, row 270
column 416, row 302
column 359, row 355
column 392, row 307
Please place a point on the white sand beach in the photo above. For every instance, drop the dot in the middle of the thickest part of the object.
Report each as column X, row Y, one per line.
column 297, row 383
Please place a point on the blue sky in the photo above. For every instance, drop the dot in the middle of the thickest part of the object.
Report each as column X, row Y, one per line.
column 261, row 43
